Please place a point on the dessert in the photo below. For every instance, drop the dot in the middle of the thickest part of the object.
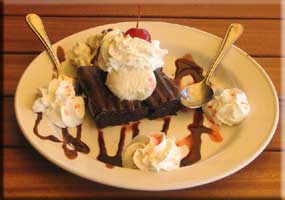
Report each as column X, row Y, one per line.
column 229, row 107
column 125, row 82
column 165, row 100
column 107, row 109
column 155, row 152
column 140, row 33
column 131, row 84
column 120, row 51
column 129, row 61
column 80, row 54
column 59, row 103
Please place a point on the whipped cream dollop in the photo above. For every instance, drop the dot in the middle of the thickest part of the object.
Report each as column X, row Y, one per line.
column 59, row 103
column 120, row 51
column 130, row 84
column 152, row 153
column 228, row 107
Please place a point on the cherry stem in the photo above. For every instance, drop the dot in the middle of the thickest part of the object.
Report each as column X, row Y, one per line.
column 139, row 15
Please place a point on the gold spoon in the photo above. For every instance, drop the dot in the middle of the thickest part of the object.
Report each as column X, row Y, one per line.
column 195, row 95
column 36, row 24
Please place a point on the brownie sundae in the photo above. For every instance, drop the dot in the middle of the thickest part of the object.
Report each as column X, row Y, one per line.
column 121, row 75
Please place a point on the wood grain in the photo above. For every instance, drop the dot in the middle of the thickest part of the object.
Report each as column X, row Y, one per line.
column 201, row 9
column 261, row 37
column 14, row 67
column 12, row 135
column 28, row 175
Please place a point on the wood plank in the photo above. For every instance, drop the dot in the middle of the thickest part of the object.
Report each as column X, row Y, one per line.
column 261, row 37
column 29, row 175
column 14, row 66
column 191, row 8
column 12, row 135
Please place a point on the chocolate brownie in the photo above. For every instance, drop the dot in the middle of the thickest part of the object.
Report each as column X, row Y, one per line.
column 107, row 109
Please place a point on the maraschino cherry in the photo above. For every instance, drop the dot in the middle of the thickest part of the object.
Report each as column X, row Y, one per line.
column 139, row 32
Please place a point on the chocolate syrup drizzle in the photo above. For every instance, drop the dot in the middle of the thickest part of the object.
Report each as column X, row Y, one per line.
column 71, row 145
column 166, row 123
column 36, row 131
column 60, row 54
column 135, row 128
column 115, row 160
column 194, row 141
column 186, row 66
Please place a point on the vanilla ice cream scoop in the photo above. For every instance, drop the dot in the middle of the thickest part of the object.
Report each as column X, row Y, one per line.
column 155, row 152
column 228, row 107
column 134, row 84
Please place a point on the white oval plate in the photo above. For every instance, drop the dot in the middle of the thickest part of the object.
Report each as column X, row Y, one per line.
column 241, row 143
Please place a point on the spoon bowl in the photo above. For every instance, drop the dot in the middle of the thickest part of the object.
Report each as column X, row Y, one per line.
column 198, row 94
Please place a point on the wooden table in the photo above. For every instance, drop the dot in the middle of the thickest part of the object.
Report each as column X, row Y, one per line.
column 28, row 174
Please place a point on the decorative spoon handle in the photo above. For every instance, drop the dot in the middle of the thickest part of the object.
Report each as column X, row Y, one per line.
column 233, row 33
column 36, row 24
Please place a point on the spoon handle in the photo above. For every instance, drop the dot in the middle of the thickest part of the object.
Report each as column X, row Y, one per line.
column 233, row 33
column 36, row 24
